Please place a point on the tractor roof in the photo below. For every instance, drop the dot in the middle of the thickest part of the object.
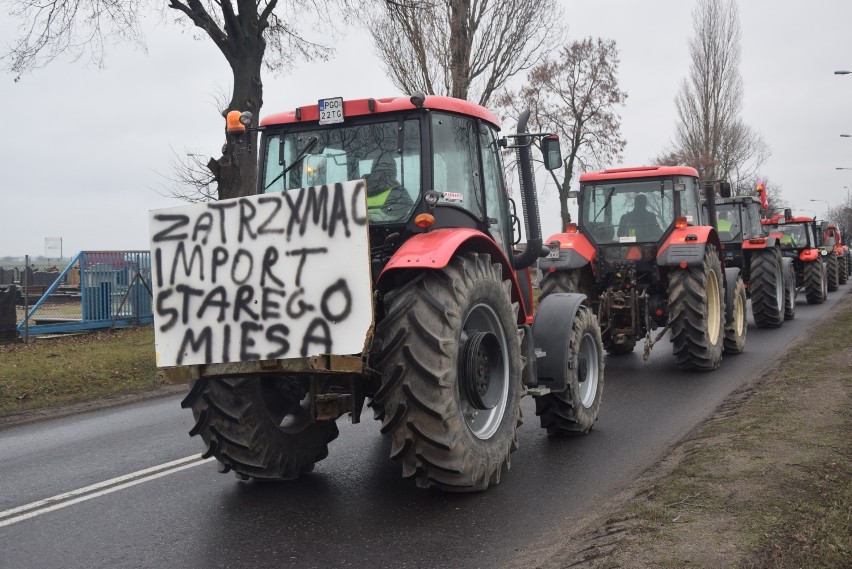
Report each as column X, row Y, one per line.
column 639, row 172
column 360, row 107
column 736, row 200
column 778, row 218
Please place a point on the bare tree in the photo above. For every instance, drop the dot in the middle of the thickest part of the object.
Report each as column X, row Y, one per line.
column 250, row 34
column 461, row 48
column 710, row 135
column 575, row 94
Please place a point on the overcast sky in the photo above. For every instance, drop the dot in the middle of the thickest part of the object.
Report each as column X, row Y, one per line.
column 84, row 150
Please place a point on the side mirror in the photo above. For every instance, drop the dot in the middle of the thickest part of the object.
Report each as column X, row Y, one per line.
column 725, row 189
column 550, row 151
column 680, row 187
column 573, row 194
column 788, row 214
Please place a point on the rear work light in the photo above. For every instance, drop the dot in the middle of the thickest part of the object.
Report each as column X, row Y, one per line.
column 681, row 222
column 571, row 228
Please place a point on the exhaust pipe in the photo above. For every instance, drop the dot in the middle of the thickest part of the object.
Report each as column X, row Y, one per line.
column 529, row 201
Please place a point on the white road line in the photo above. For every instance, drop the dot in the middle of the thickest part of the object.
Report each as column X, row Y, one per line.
column 100, row 489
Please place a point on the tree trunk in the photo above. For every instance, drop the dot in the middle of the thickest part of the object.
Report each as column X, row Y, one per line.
column 460, row 47
column 564, row 189
column 236, row 170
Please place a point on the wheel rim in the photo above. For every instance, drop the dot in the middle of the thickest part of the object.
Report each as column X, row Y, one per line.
column 588, row 370
column 713, row 308
column 483, row 336
column 285, row 409
column 779, row 288
column 739, row 314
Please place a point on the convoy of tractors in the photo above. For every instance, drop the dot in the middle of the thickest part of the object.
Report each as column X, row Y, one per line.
column 380, row 264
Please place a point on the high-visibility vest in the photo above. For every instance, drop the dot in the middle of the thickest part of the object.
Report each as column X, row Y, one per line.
column 724, row 225
column 378, row 200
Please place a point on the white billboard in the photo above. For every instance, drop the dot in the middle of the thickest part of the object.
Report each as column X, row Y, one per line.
column 53, row 247
column 273, row 276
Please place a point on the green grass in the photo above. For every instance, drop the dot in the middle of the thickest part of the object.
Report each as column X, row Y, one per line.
column 70, row 369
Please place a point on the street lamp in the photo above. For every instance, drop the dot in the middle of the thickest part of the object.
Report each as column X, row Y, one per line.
column 846, row 136
column 843, row 72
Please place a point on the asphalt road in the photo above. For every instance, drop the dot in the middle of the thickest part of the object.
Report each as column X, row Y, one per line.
column 354, row 510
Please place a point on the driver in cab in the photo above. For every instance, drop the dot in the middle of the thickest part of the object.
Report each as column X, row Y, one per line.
column 387, row 199
column 639, row 222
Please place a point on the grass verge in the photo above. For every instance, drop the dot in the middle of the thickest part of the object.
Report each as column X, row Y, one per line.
column 765, row 483
column 70, row 369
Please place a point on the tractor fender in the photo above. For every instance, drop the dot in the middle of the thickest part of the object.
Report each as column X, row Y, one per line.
column 551, row 332
column 687, row 245
column 433, row 251
column 760, row 242
column 731, row 275
column 809, row 255
column 575, row 251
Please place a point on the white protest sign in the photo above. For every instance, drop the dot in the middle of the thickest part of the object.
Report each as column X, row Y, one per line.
column 274, row 276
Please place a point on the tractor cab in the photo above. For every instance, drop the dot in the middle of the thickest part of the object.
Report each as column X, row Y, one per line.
column 795, row 234
column 428, row 162
column 629, row 212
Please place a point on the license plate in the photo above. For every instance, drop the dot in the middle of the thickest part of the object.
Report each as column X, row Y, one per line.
column 554, row 252
column 331, row 110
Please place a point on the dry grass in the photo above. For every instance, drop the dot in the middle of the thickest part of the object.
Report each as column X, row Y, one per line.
column 69, row 369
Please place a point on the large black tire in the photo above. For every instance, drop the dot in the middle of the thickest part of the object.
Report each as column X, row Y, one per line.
column 574, row 411
column 790, row 290
column 832, row 271
column 697, row 313
column 815, row 282
column 450, row 429
column 737, row 328
column 766, row 285
column 843, row 269
column 560, row 281
column 569, row 281
column 240, row 421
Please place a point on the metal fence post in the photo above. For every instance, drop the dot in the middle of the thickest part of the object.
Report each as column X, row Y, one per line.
column 26, row 284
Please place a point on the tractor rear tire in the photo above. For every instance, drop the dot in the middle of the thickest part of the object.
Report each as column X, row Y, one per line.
column 832, row 270
column 697, row 313
column 448, row 352
column 766, row 286
column 737, row 328
column 790, row 291
column 815, row 282
column 575, row 410
column 257, row 427
column 843, row 269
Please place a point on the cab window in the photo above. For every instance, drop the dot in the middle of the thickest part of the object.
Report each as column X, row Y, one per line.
column 455, row 163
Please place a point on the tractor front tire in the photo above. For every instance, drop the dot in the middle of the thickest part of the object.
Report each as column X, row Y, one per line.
column 766, row 286
column 569, row 281
column 257, row 427
column 575, row 410
column 736, row 329
column 832, row 271
column 448, row 352
column 815, row 282
column 697, row 313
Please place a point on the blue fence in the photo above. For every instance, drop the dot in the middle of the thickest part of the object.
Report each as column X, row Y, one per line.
column 98, row 289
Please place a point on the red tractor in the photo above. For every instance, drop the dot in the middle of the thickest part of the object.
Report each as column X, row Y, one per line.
column 798, row 239
column 645, row 258
column 452, row 340
column 836, row 255
column 769, row 278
